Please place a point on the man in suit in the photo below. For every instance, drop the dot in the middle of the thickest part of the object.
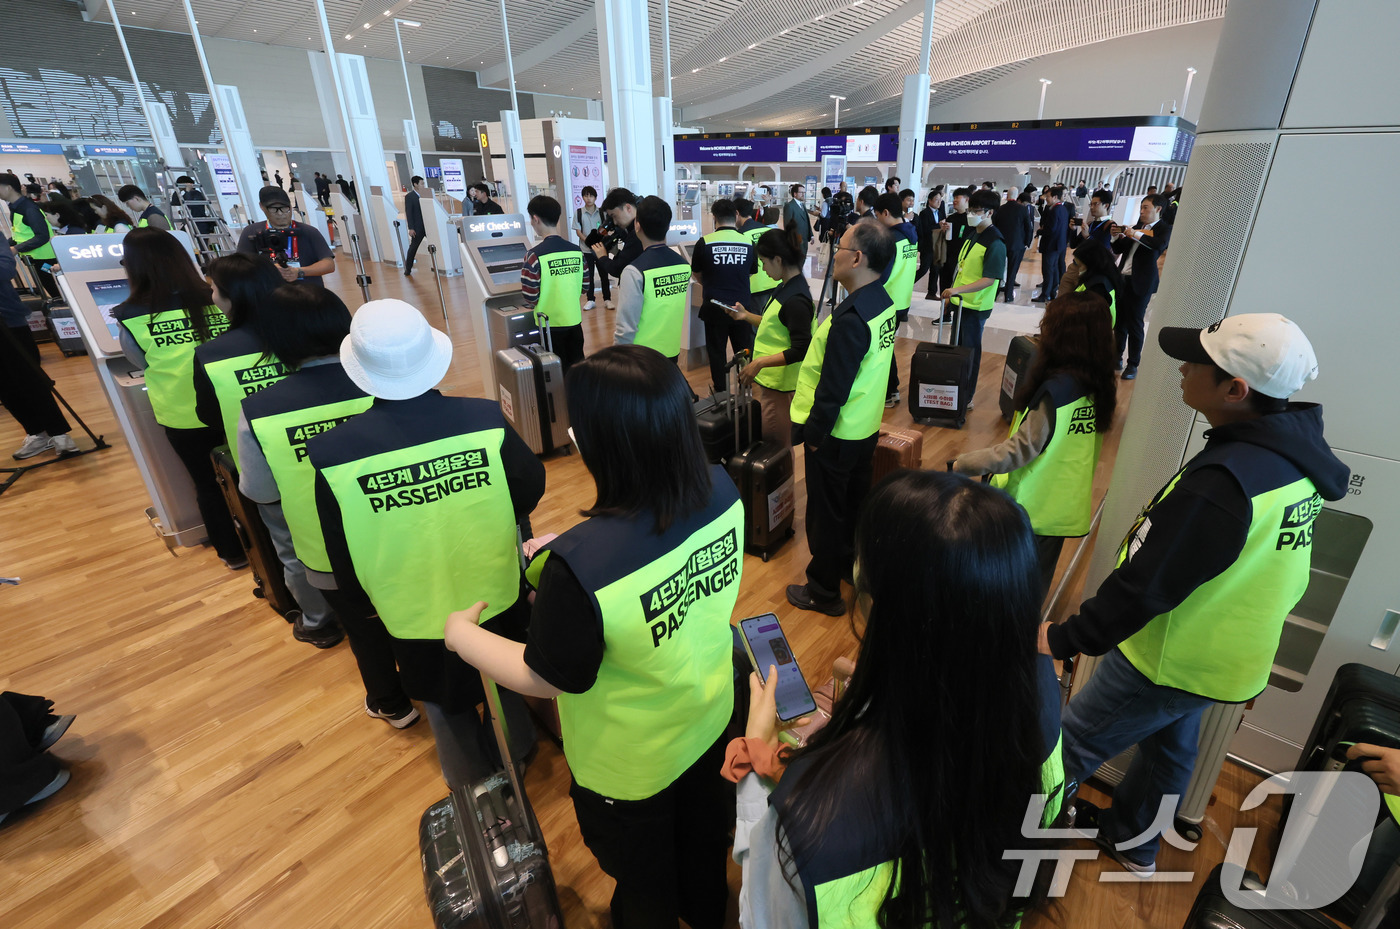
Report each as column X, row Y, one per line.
column 927, row 224
column 1014, row 222
column 1096, row 226
column 413, row 217
column 1054, row 232
column 1140, row 246
column 323, row 189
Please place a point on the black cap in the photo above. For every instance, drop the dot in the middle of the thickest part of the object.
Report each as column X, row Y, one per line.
column 273, row 194
column 1183, row 344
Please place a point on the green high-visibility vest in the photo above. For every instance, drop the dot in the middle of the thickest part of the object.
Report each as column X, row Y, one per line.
column 665, row 689
column 22, row 233
column 759, row 281
column 168, row 340
column 561, row 283
column 1056, row 487
column 773, row 338
column 430, row 529
column 282, row 435
column 899, row 284
column 1112, row 304
column 665, row 289
column 865, row 407
column 235, row 377
column 969, row 270
column 1221, row 640
column 149, row 211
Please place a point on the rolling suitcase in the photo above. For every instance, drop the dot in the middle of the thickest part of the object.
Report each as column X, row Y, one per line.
column 66, row 333
column 941, row 380
column 896, row 449
column 1019, row 357
column 257, row 544
column 715, row 417
column 530, row 380
column 1213, row 911
column 484, row 858
column 763, row 472
column 34, row 315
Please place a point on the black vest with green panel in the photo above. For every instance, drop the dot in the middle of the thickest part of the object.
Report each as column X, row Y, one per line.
column 420, row 492
column 283, row 419
column 20, row 217
column 237, row 367
column 665, row 690
column 845, row 876
column 169, row 340
column 561, row 281
column 665, row 299
column 864, row 408
column 970, row 259
column 759, row 281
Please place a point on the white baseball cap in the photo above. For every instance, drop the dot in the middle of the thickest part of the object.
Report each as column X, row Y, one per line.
column 392, row 352
column 1265, row 350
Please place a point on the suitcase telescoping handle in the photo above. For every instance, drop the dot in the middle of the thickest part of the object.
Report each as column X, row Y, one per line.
column 501, row 725
column 735, row 384
column 546, row 333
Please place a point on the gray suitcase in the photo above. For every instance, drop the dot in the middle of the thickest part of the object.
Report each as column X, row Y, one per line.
column 530, row 380
column 484, row 858
column 65, row 329
column 513, row 327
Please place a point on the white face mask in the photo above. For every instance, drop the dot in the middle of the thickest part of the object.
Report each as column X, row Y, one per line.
column 976, row 219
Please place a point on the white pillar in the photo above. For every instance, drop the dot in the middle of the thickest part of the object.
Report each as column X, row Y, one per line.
column 338, row 88
column 624, row 54
column 913, row 111
column 162, row 134
column 246, row 192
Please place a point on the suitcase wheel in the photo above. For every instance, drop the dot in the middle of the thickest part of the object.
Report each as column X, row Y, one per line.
column 1189, row 831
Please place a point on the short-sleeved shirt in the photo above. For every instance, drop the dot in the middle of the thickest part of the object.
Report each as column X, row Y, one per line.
column 299, row 242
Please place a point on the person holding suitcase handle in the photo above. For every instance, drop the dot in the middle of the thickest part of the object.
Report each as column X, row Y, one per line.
column 553, row 279
column 981, row 266
column 1064, row 405
column 1206, row 576
column 784, row 332
column 630, row 632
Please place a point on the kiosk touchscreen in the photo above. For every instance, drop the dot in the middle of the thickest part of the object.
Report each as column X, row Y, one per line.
column 94, row 283
column 493, row 252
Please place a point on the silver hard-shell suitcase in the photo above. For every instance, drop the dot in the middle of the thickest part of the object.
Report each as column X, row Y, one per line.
column 530, row 383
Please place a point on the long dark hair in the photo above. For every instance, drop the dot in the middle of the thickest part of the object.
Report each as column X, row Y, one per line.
column 1076, row 338
column 782, row 244
column 1098, row 260
column 942, row 719
column 300, row 322
column 635, row 426
column 84, row 209
column 111, row 213
column 163, row 277
column 247, row 281
column 64, row 216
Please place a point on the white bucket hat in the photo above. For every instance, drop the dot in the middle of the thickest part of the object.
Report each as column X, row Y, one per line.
column 392, row 352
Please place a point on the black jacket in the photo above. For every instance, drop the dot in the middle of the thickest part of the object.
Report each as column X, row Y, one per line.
column 1144, row 277
column 927, row 226
column 1015, row 224
column 413, row 213
column 1054, row 229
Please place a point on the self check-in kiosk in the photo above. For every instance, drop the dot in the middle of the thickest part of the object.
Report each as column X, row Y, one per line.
column 94, row 283
column 493, row 252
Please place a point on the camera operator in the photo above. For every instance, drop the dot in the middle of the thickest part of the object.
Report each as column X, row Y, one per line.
column 298, row 250
column 620, row 206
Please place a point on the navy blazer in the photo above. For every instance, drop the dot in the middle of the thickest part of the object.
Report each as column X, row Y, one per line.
column 1054, row 229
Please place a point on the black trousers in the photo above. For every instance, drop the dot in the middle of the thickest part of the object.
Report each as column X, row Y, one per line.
column 838, row 478
column 737, row 333
column 1013, row 268
column 593, row 273
column 413, row 242
column 373, row 648
column 925, row 262
column 945, row 276
column 194, row 446
column 900, row 318
column 1132, row 322
column 25, row 388
column 667, row 852
column 24, row 770
column 1052, row 268
column 1047, row 552
column 568, row 345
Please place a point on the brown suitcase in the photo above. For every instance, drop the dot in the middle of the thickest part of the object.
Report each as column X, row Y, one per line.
column 897, row 448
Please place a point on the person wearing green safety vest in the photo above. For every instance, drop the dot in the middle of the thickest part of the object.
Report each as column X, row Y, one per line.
column 837, row 406
column 1206, row 576
column 1064, row 404
column 147, row 213
column 421, row 499
column 653, row 291
column 784, row 333
column 761, row 284
column 552, row 281
column 169, row 313
column 1093, row 270
column 981, row 266
column 723, row 262
column 30, row 232
column 860, row 830
column 630, row 631
column 274, row 427
column 899, row 277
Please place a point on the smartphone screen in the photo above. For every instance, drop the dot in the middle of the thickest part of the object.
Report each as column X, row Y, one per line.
column 766, row 645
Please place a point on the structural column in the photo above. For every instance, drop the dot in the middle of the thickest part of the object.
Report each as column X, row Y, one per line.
column 624, row 55
column 913, row 111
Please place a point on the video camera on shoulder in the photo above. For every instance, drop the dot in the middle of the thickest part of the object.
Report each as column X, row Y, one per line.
column 607, row 234
column 273, row 243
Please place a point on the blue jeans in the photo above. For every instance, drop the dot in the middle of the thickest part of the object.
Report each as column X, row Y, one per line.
column 1117, row 709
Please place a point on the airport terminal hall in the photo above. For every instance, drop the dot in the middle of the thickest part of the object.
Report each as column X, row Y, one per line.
column 747, row 464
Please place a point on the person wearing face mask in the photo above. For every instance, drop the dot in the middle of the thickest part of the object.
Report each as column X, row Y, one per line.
column 955, row 233
column 981, row 266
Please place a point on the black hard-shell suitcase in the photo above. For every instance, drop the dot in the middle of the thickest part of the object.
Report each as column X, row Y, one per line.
column 1020, row 354
column 940, row 380
column 715, row 417
column 1213, row 911
column 64, row 327
column 34, row 315
column 763, row 472
column 257, row 544
column 484, row 858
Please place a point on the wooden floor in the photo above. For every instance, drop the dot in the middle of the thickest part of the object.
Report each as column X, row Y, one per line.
column 225, row 775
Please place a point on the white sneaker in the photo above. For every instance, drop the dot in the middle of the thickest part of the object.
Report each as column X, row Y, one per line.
column 607, row 304
column 588, row 305
column 34, row 445
column 64, row 445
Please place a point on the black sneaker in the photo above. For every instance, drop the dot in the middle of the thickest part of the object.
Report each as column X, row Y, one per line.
column 800, row 596
column 327, row 636
column 398, row 720
column 1086, row 817
column 54, row 730
column 1130, row 373
column 49, row 789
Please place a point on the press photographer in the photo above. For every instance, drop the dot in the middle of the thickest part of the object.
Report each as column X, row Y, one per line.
column 299, row 251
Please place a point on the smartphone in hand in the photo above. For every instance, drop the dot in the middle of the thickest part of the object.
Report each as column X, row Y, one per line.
column 766, row 645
